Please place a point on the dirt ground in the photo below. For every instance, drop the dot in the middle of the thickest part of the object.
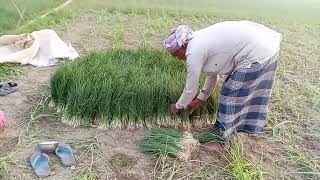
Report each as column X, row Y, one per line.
column 114, row 152
column 18, row 105
column 107, row 154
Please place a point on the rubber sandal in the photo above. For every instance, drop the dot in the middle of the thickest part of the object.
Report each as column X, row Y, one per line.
column 64, row 152
column 8, row 88
column 40, row 163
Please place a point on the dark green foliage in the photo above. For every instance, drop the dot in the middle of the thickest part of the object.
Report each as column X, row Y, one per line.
column 122, row 87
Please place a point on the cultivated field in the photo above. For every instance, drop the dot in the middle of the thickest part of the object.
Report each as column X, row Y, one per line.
column 290, row 149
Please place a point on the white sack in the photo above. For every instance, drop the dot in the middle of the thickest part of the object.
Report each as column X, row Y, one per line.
column 40, row 48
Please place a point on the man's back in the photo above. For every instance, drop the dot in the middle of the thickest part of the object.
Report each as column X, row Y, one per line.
column 240, row 39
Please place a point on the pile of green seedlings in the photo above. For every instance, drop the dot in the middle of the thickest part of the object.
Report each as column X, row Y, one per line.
column 170, row 142
column 124, row 88
column 162, row 141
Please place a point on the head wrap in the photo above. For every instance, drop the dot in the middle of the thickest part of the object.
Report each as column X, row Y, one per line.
column 178, row 38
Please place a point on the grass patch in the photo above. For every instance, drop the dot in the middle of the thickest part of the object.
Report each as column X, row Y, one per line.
column 286, row 10
column 241, row 168
column 61, row 17
column 9, row 71
column 87, row 174
column 119, row 88
column 308, row 167
column 14, row 13
column 4, row 162
column 172, row 168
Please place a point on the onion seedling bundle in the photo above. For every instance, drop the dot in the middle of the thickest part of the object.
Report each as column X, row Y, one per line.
column 163, row 142
column 123, row 88
column 170, row 142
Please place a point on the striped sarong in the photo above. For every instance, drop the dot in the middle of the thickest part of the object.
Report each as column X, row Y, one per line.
column 244, row 99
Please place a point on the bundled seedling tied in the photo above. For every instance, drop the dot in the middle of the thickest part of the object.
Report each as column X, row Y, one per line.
column 120, row 88
column 170, row 142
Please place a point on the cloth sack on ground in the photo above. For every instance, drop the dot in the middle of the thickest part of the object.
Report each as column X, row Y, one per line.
column 40, row 48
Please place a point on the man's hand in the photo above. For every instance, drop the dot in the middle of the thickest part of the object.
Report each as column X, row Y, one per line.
column 194, row 105
column 173, row 109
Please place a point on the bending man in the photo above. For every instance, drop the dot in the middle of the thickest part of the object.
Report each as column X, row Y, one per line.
column 245, row 51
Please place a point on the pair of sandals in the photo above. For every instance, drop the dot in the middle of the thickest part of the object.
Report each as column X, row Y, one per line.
column 7, row 88
column 40, row 159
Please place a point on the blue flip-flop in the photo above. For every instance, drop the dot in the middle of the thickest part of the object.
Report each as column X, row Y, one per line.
column 64, row 152
column 40, row 163
column 8, row 88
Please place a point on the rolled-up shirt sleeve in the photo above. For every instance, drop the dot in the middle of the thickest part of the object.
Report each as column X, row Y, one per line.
column 195, row 63
column 208, row 87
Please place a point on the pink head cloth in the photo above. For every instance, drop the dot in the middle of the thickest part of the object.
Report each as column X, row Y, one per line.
column 178, row 38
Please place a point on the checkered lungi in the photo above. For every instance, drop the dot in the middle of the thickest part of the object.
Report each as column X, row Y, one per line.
column 244, row 99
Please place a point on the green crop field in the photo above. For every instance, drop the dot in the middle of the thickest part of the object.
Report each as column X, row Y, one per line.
column 14, row 13
column 288, row 150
